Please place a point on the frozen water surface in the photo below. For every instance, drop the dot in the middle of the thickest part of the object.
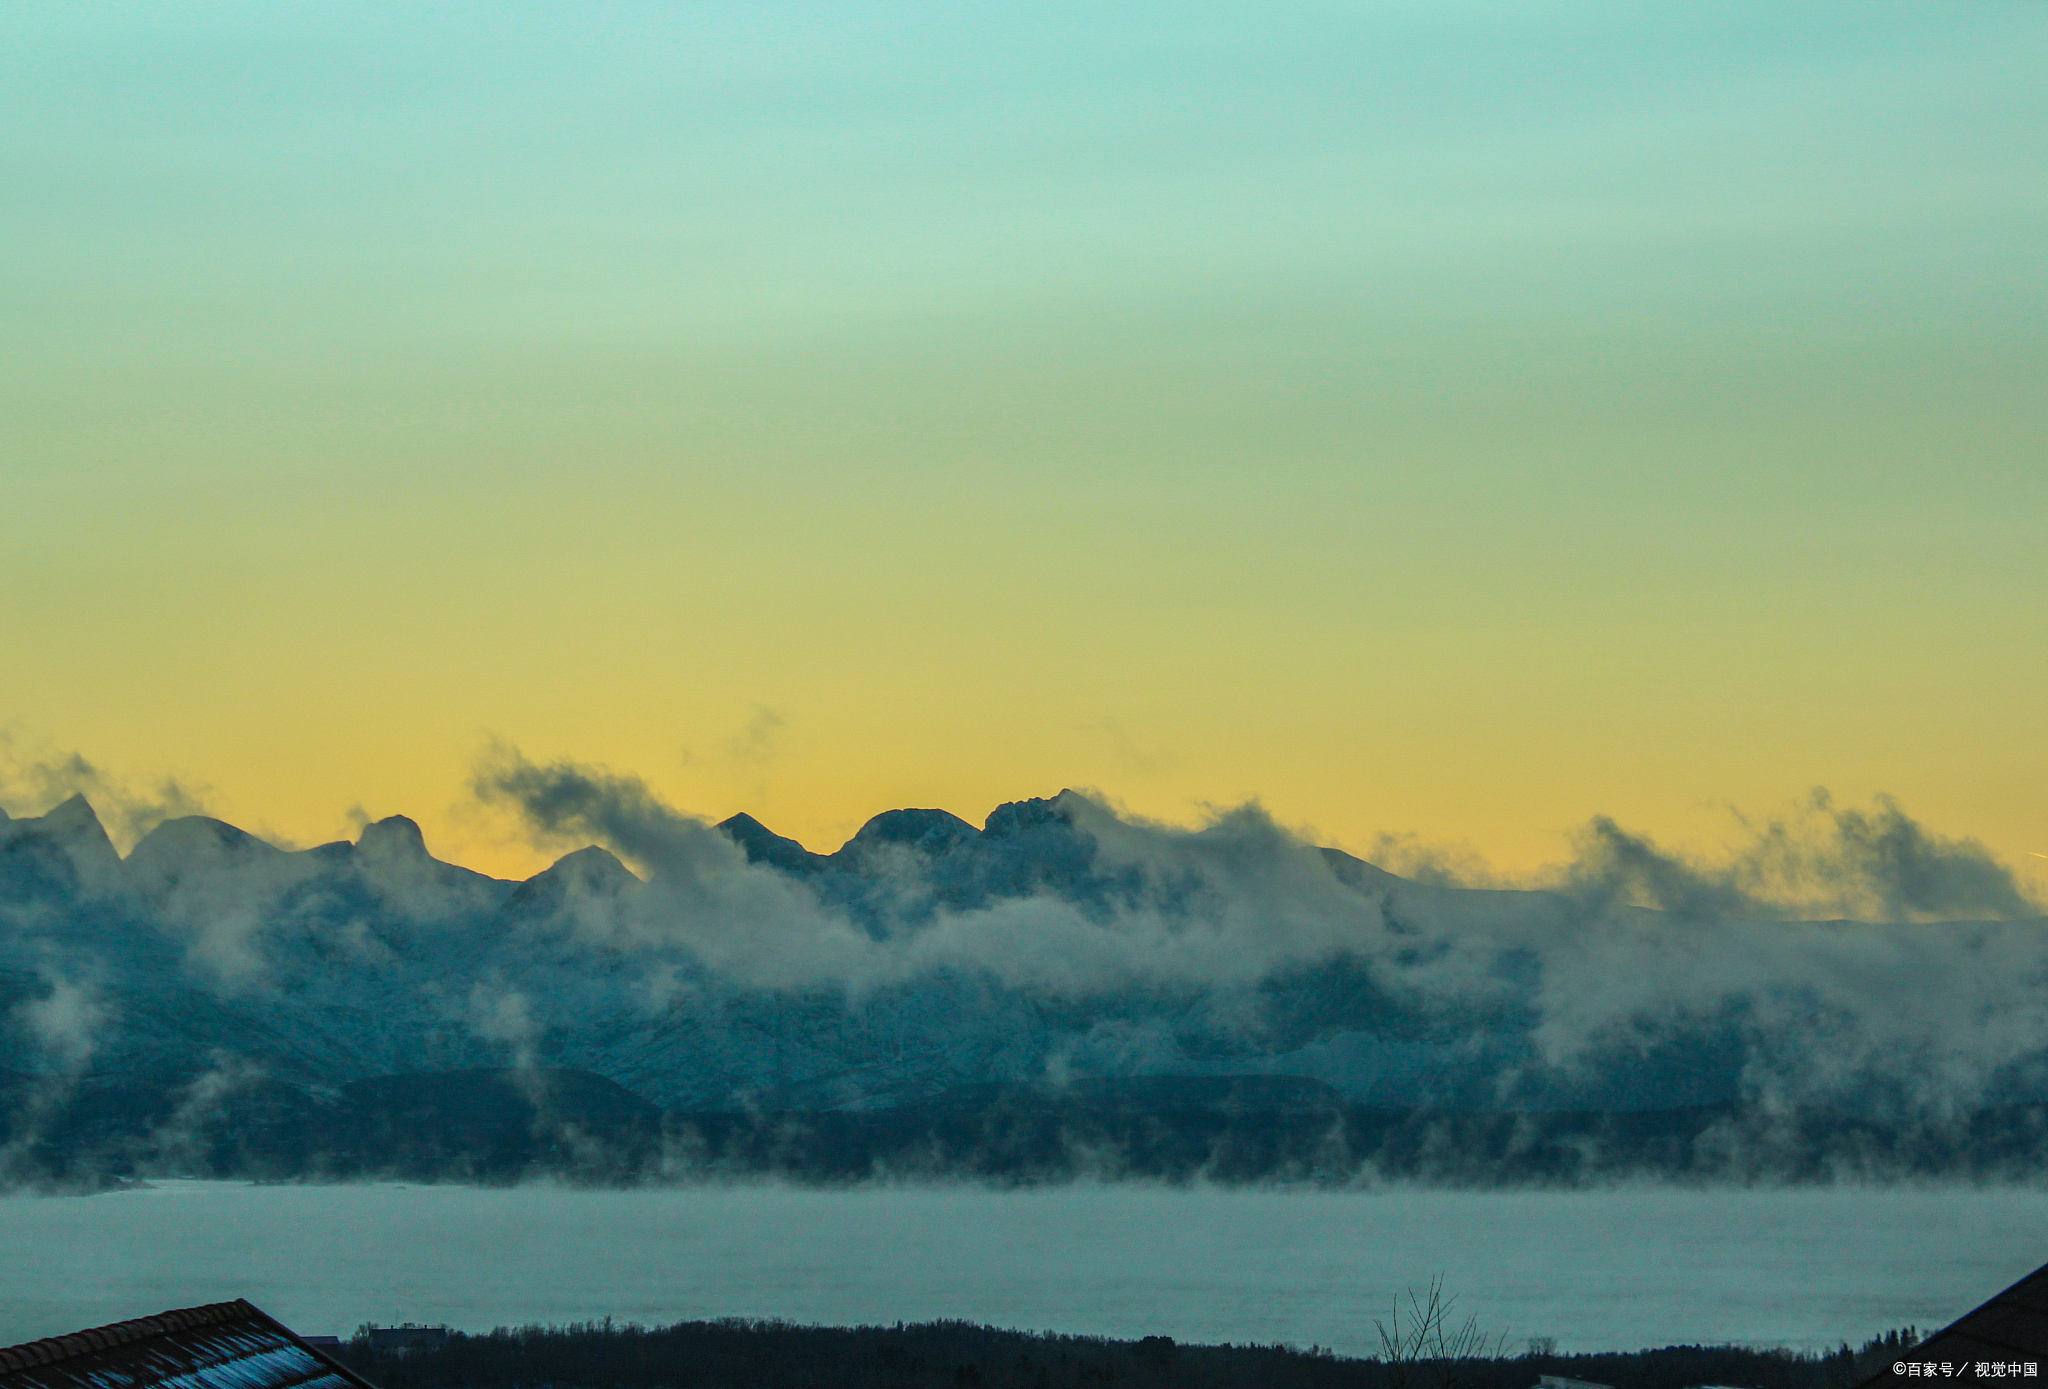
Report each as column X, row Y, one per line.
column 1614, row 1269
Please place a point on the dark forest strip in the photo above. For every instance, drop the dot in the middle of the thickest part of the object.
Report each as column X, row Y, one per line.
column 741, row 1354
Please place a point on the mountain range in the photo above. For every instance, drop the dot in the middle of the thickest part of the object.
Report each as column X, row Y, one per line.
column 926, row 964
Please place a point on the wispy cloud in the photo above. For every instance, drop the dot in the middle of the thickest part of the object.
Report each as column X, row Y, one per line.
column 1632, row 951
column 35, row 776
column 1818, row 861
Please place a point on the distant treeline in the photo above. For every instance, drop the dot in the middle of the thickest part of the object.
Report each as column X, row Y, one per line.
column 501, row 1126
column 736, row 1354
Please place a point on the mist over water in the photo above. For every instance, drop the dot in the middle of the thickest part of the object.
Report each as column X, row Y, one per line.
column 1617, row 1269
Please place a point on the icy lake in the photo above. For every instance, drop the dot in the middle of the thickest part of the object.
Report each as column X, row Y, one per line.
column 1615, row 1269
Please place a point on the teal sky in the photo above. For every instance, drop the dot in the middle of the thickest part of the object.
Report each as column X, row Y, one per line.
column 1459, row 417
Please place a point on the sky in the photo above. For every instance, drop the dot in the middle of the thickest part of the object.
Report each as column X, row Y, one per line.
column 1457, row 419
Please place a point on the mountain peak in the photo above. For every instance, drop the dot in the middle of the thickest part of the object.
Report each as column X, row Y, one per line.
column 933, row 831
column 195, row 831
column 72, row 818
column 1356, row 873
column 1017, row 817
column 393, row 837
column 764, row 845
column 77, row 828
column 192, row 844
column 189, row 840
column 71, row 846
column 592, row 869
column 585, row 874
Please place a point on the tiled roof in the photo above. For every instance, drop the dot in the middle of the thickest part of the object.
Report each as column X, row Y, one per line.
column 224, row 1345
column 2011, row 1327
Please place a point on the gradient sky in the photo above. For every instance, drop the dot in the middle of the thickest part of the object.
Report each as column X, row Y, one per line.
column 1450, row 417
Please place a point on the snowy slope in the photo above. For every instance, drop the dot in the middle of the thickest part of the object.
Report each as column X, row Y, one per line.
column 1058, row 941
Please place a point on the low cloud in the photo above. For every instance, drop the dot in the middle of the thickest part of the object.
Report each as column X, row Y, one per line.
column 1633, row 956
column 1878, row 864
column 63, row 1024
column 35, row 777
column 61, row 1027
column 1227, row 903
column 703, row 895
column 1435, row 865
column 182, row 1143
column 1820, row 861
column 503, row 1017
column 220, row 891
column 1077, row 938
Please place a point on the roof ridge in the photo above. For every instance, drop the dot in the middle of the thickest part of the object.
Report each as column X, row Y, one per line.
column 120, row 1333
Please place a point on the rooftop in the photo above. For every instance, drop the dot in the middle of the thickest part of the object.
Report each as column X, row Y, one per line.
column 2011, row 1329
column 223, row 1345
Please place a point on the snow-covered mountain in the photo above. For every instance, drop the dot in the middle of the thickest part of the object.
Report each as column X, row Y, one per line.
column 738, row 969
